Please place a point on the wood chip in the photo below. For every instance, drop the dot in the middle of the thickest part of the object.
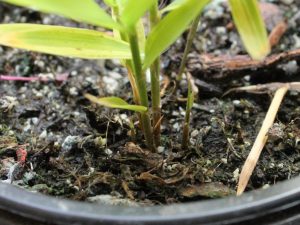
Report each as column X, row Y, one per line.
column 226, row 67
column 277, row 33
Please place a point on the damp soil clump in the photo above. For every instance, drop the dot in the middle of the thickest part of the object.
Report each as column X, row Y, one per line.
column 80, row 151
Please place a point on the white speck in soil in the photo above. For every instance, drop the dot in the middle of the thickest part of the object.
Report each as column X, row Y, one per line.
column 40, row 63
column 290, row 68
column 28, row 176
column 271, row 165
column 160, row 149
column 114, row 75
column 108, row 152
column 69, row 143
column 175, row 113
column 224, row 160
column 43, row 135
column 236, row 174
column 73, row 91
column 125, row 118
column 111, row 84
column 194, row 133
column 74, row 73
column 236, row 102
column 35, row 120
column 76, row 113
column 27, row 126
column 221, row 30
column 280, row 165
column 176, row 126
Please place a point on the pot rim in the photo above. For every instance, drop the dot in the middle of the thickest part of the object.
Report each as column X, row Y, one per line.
column 250, row 205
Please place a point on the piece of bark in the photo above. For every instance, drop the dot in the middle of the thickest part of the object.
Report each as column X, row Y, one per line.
column 277, row 33
column 226, row 66
column 266, row 88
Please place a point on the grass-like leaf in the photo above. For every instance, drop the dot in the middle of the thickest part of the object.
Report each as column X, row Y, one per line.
column 86, row 11
column 57, row 40
column 250, row 25
column 115, row 102
column 170, row 28
column 134, row 10
column 111, row 3
column 140, row 29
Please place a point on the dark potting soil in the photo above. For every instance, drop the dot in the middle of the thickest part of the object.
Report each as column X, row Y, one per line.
column 81, row 151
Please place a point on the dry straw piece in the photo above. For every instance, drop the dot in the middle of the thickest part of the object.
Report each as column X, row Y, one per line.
column 261, row 139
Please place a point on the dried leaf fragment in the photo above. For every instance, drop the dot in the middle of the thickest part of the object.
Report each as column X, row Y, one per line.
column 209, row 190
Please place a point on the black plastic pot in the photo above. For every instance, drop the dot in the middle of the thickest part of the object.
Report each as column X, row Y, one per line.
column 277, row 205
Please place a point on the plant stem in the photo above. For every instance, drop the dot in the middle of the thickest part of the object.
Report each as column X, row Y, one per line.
column 127, row 63
column 188, row 46
column 186, row 124
column 155, row 81
column 141, row 86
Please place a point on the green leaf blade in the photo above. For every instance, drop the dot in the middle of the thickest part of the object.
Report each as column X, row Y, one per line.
column 86, row 11
column 134, row 10
column 116, row 103
column 250, row 25
column 63, row 41
column 170, row 28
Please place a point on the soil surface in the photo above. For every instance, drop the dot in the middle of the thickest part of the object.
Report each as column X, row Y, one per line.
column 53, row 141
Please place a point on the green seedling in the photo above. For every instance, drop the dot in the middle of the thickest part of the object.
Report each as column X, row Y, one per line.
column 249, row 23
column 186, row 123
column 137, row 50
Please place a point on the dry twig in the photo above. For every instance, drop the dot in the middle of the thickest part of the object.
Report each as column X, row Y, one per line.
column 263, row 88
column 261, row 139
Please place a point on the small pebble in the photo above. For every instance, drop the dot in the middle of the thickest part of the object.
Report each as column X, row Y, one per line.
column 27, row 126
column 160, row 149
column 176, row 126
column 224, row 160
column 236, row 102
column 35, row 120
column 221, row 30
column 280, row 165
column 114, row 75
column 175, row 113
column 111, row 84
column 43, row 135
column 108, row 152
column 40, row 63
column 236, row 174
column 73, row 91
column 194, row 133
column 74, row 73
column 69, row 143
